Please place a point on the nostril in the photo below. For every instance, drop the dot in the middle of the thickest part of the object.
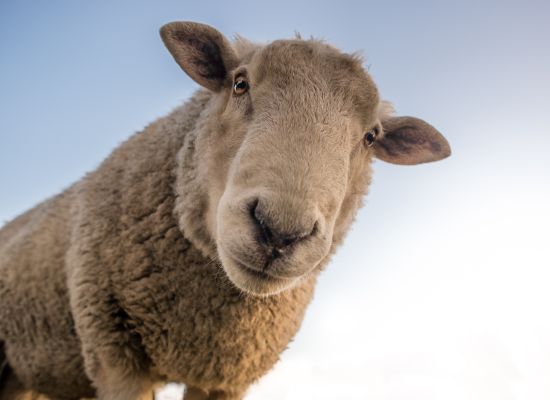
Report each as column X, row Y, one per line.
column 277, row 240
column 259, row 220
column 288, row 240
column 314, row 231
column 252, row 209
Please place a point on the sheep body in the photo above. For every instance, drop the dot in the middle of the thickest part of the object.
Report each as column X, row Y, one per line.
column 141, row 294
column 191, row 253
column 35, row 318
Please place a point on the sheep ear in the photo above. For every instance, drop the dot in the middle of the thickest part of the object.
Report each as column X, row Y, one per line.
column 409, row 141
column 201, row 51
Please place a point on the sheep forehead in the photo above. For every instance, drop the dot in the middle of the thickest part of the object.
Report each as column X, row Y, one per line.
column 299, row 64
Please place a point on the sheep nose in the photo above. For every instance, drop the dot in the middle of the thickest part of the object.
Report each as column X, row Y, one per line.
column 278, row 238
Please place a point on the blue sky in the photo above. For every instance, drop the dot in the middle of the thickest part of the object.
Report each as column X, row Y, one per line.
column 78, row 77
column 439, row 288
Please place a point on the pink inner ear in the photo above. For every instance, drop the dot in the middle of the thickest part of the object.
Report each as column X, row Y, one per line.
column 407, row 139
column 410, row 141
column 202, row 56
column 201, row 51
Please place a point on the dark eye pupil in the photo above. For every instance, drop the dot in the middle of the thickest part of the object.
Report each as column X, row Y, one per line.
column 370, row 137
column 240, row 86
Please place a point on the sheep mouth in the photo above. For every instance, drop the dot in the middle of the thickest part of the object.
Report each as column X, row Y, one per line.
column 260, row 283
column 257, row 274
column 254, row 281
column 268, row 271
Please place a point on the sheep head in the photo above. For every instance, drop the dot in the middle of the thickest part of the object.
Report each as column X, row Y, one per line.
column 291, row 132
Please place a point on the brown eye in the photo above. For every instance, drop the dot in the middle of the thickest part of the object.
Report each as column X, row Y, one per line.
column 240, row 86
column 370, row 137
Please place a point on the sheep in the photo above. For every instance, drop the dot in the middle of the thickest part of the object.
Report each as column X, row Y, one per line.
column 191, row 253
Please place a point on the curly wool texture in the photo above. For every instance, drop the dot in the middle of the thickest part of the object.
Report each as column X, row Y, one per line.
column 143, row 298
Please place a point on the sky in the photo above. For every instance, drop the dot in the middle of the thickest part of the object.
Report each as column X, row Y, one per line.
column 440, row 290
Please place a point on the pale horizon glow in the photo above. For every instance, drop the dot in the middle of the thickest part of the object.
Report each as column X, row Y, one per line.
column 441, row 288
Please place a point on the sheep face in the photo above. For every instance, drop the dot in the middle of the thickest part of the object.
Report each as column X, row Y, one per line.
column 286, row 150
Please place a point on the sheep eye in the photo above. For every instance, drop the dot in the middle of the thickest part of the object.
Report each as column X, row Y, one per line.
column 370, row 137
column 240, row 86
